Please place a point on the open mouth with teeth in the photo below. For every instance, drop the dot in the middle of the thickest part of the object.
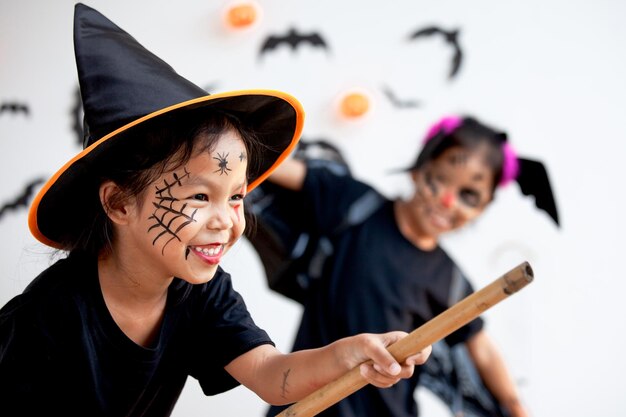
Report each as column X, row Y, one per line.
column 210, row 254
column 439, row 220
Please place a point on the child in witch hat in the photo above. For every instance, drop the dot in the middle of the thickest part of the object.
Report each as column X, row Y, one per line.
column 146, row 212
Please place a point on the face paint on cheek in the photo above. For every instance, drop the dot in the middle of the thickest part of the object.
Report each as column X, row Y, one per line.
column 169, row 216
column 238, row 207
column 238, row 212
column 430, row 183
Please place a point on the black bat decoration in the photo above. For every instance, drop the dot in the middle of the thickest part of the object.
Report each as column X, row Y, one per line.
column 23, row 200
column 211, row 88
column 396, row 102
column 533, row 180
column 14, row 108
column 293, row 39
column 451, row 37
column 77, row 115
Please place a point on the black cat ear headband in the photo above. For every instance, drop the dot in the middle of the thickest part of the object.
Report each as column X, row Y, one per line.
column 531, row 175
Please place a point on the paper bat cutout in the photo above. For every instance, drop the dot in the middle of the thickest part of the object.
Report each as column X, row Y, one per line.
column 533, row 180
column 211, row 88
column 23, row 200
column 396, row 102
column 77, row 115
column 451, row 38
column 293, row 39
column 14, row 108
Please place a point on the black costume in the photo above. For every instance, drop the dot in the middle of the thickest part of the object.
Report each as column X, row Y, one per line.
column 376, row 281
column 61, row 353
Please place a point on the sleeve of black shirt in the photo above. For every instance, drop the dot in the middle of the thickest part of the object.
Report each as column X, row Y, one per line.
column 226, row 331
column 329, row 196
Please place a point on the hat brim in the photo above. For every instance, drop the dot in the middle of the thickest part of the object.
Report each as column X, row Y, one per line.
column 276, row 117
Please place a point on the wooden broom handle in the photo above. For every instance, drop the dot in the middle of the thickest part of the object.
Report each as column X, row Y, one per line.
column 427, row 334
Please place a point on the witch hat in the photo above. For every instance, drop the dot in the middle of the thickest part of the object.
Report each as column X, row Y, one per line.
column 123, row 85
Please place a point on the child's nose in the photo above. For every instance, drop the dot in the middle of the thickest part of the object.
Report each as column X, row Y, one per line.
column 448, row 199
column 219, row 219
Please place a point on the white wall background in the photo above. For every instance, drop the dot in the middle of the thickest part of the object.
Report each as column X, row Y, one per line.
column 550, row 72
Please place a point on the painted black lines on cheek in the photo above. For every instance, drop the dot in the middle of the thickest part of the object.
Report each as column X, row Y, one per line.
column 222, row 163
column 430, row 183
column 168, row 211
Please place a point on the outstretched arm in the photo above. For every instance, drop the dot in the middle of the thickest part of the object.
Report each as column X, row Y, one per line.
column 289, row 174
column 286, row 378
column 490, row 364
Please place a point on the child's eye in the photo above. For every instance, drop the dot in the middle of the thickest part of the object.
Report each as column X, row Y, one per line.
column 237, row 197
column 201, row 197
column 470, row 198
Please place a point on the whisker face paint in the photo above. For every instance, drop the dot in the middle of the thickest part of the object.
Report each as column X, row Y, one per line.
column 430, row 183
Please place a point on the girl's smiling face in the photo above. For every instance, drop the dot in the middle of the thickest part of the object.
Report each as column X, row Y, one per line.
column 452, row 190
column 191, row 216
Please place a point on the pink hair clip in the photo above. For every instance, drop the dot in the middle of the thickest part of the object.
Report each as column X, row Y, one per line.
column 510, row 164
column 446, row 125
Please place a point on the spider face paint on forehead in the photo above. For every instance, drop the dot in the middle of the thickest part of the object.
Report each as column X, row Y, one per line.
column 170, row 215
column 222, row 161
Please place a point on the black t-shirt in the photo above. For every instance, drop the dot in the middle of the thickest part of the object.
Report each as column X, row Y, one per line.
column 376, row 281
column 61, row 353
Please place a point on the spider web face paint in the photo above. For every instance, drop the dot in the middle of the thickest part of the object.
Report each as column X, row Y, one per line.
column 169, row 214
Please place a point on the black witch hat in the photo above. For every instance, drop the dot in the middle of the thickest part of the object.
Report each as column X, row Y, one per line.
column 124, row 85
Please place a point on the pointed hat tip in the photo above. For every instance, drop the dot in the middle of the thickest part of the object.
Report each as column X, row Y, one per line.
column 120, row 80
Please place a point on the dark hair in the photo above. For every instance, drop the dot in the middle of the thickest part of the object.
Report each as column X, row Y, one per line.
column 150, row 149
column 469, row 134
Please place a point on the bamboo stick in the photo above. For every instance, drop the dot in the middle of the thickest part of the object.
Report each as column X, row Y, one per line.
column 430, row 332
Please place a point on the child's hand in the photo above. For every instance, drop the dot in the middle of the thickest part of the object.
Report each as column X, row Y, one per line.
column 384, row 371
